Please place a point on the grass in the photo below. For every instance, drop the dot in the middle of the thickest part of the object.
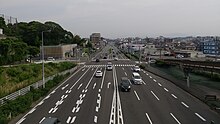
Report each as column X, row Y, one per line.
column 17, row 77
column 195, row 78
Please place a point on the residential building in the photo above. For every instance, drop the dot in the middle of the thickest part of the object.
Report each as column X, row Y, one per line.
column 95, row 39
column 210, row 46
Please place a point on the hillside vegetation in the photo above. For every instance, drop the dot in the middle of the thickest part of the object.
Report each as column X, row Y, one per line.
column 17, row 77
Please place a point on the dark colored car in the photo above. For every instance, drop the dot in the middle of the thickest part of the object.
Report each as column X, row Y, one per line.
column 105, row 57
column 125, row 84
column 97, row 60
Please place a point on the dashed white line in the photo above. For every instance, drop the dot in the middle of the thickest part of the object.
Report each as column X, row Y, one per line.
column 79, row 86
column 68, row 120
column 95, row 119
column 159, row 84
column 136, row 95
column 42, row 120
column 150, row 77
column 144, row 83
column 21, row 120
column 154, row 80
column 166, row 89
column 185, row 104
column 148, row 117
column 126, row 74
column 94, row 85
column 147, row 74
column 175, row 118
column 174, row 96
column 73, row 119
column 123, row 68
column 203, row 119
column 155, row 95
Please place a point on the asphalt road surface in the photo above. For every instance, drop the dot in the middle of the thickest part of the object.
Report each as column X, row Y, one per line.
column 86, row 99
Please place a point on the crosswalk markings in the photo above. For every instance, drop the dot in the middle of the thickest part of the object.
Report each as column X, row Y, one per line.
column 117, row 65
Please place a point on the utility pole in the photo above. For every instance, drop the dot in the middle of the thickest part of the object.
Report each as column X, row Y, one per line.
column 139, row 54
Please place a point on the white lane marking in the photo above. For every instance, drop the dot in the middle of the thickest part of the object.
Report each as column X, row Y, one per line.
column 65, row 86
column 185, row 104
column 32, row 110
column 95, row 119
column 40, row 103
column 73, row 119
column 52, row 92
column 50, row 110
column 68, row 120
column 126, row 74
column 159, row 84
column 42, row 120
column 83, row 69
column 91, row 79
column 79, row 86
column 166, row 89
column 67, row 91
column 109, row 83
column 175, row 118
column 47, row 97
column 155, row 95
column 174, row 96
column 154, row 80
column 144, row 83
column 147, row 74
column 79, row 79
column 150, row 77
column 94, row 85
column 148, row 117
column 21, row 120
column 103, row 79
column 136, row 95
column 203, row 119
column 123, row 68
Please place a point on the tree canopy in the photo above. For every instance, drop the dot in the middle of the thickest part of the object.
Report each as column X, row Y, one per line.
column 27, row 38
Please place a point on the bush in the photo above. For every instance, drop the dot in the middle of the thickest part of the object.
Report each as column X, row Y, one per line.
column 142, row 66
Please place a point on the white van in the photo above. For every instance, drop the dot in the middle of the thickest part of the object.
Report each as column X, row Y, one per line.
column 136, row 78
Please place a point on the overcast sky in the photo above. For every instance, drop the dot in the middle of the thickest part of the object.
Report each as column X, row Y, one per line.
column 122, row 18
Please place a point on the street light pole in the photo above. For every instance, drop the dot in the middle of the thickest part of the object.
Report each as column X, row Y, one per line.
column 42, row 49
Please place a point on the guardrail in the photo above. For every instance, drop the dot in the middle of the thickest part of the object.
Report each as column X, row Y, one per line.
column 36, row 85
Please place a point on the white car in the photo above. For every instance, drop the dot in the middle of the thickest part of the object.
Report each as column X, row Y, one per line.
column 136, row 78
column 109, row 66
column 98, row 73
column 136, row 68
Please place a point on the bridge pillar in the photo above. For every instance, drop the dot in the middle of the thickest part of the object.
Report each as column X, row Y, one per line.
column 186, row 73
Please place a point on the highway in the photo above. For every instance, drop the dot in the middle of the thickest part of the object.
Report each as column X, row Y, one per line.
column 86, row 99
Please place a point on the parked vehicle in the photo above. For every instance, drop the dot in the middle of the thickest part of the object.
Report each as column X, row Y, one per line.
column 50, row 59
column 136, row 78
column 125, row 84
column 97, row 60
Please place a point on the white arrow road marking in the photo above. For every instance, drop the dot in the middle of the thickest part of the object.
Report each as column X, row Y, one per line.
column 109, row 83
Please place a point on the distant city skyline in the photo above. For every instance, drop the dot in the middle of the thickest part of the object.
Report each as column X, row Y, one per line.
column 122, row 18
